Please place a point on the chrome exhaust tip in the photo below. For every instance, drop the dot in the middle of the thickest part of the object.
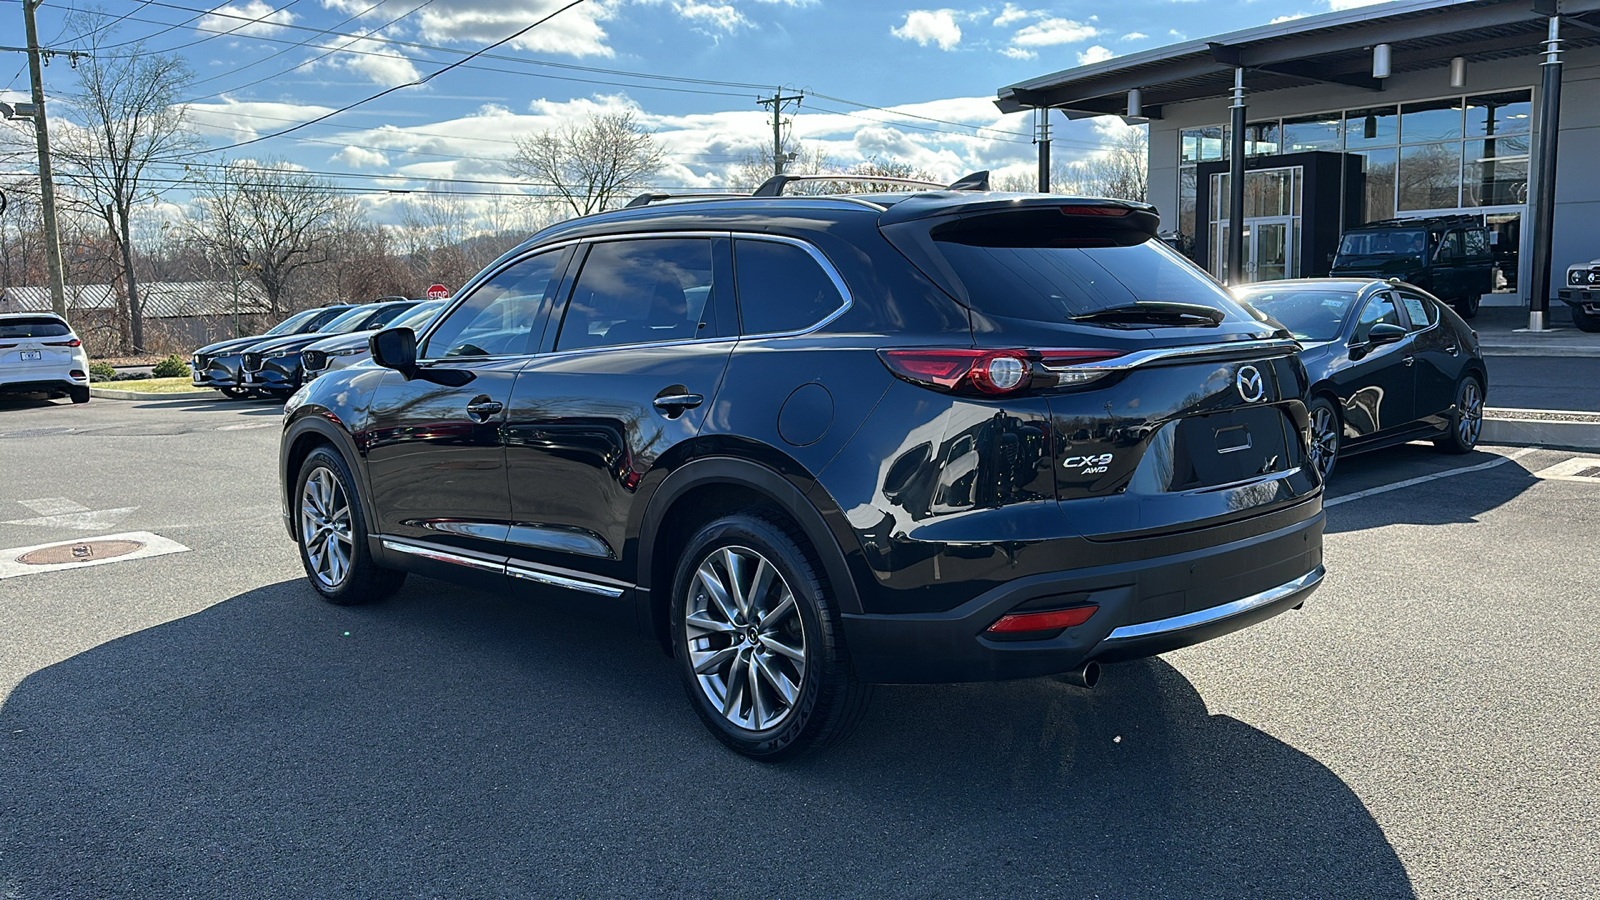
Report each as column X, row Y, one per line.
column 1085, row 676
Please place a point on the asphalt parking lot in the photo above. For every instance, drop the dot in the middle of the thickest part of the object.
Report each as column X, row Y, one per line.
column 197, row 724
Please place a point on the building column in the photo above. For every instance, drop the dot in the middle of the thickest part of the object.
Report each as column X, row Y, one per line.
column 1236, row 184
column 1544, row 193
column 1041, row 136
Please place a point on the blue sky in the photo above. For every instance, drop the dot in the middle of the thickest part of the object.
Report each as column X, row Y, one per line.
column 886, row 79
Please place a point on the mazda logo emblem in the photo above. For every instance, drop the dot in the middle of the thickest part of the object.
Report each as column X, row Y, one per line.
column 1249, row 383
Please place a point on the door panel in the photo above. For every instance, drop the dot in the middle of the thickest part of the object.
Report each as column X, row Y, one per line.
column 1440, row 357
column 1377, row 387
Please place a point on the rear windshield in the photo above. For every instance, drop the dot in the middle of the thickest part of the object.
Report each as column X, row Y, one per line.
column 1041, row 277
column 41, row 327
column 1310, row 315
column 1384, row 243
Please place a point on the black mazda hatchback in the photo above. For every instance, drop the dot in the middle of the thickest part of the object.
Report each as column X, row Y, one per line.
column 814, row 443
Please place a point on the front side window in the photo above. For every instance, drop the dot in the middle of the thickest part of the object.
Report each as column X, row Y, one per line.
column 1379, row 309
column 641, row 291
column 498, row 318
column 781, row 288
column 321, row 320
column 1450, row 247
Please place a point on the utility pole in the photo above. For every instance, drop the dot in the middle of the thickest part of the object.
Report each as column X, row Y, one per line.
column 47, row 183
column 777, row 101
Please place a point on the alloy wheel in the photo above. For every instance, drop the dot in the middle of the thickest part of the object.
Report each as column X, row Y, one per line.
column 746, row 638
column 1324, row 439
column 1469, row 416
column 325, row 527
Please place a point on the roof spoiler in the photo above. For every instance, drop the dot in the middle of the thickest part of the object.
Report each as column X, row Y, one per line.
column 773, row 187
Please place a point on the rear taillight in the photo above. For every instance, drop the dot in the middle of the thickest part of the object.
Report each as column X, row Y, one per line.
column 1043, row 620
column 72, row 343
column 995, row 373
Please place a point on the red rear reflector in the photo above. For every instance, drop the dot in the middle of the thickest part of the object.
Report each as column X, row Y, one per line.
column 1094, row 210
column 72, row 343
column 1044, row 620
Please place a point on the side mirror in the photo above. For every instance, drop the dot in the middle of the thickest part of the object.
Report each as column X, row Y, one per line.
column 395, row 348
column 1385, row 333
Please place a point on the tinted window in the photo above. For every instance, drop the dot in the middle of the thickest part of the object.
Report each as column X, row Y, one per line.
column 389, row 312
column 353, row 320
column 1450, row 247
column 421, row 314
column 497, row 319
column 1309, row 315
column 1420, row 311
column 781, row 288
column 1477, row 242
column 40, row 327
column 1034, row 275
column 1378, row 309
column 641, row 292
column 1383, row 243
column 321, row 320
column 292, row 324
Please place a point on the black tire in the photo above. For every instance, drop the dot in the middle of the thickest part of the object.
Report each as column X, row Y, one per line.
column 235, row 393
column 79, row 394
column 361, row 580
column 829, row 701
column 1327, row 435
column 1466, row 418
column 1583, row 321
column 280, row 396
column 1467, row 306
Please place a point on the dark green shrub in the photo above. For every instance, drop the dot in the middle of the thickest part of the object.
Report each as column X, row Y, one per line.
column 173, row 366
column 99, row 371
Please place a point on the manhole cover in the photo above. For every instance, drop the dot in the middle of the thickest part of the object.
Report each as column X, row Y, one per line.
column 84, row 552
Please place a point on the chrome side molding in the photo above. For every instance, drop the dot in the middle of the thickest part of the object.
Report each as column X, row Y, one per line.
column 515, row 571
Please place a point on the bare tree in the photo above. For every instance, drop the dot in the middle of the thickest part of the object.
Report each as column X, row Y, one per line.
column 1120, row 169
column 125, row 119
column 800, row 159
column 592, row 166
column 272, row 218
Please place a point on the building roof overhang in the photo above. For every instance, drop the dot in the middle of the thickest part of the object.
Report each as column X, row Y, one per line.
column 1331, row 48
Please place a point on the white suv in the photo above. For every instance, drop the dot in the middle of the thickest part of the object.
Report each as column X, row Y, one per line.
column 40, row 354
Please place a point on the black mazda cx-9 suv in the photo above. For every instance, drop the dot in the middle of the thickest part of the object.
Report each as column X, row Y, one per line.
column 816, row 443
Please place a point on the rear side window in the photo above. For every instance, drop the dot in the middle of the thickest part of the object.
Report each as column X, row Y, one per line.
column 498, row 318
column 388, row 314
column 641, row 292
column 1477, row 243
column 1033, row 275
column 1420, row 311
column 782, row 288
column 33, row 327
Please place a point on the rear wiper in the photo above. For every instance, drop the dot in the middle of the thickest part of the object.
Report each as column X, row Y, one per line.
column 1156, row 313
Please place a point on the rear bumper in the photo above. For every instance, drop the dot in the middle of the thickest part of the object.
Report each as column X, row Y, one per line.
column 59, row 384
column 1145, row 607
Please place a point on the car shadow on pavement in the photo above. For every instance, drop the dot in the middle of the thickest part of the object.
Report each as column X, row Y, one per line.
column 261, row 407
column 1455, row 499
column 453, row 743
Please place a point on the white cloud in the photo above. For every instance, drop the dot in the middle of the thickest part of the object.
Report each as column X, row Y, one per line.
column 1051, row 32
column 236, row 18
column 376, row 62
column 711, row 16
column 361, row 156
column 930, row 26
column 1094, row 54
column 232, row 120
column 1019, row 53
column 1289, row 18
column 1013, row 14
column 575, row 32
column 1135, row 36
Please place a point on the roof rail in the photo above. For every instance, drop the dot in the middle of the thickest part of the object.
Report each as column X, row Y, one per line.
column 1418, row 221
column 773, row 187
column 647, row 199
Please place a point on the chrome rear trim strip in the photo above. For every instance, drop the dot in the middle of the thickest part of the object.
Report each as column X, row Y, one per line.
column 1187, row 354
column 1218, row 613
column 587, row 587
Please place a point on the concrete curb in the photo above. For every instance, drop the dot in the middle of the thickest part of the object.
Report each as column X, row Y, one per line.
column 1564, row 351
column 110, row 394
column 1566, row 435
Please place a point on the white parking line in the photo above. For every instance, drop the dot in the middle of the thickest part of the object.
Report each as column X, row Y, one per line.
column 1579, row 468
column 154, row 545
column 1386, row 488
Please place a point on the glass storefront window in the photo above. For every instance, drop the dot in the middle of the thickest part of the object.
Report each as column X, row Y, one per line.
column 1203, row 144
column 1430, row 176
column 1376, row 127
column 1434, row 120
column 1495, row 172
column 1508, row 113
column 1311, row 133
column 1187, row 191
column 1378, row 167
column 1261, row 139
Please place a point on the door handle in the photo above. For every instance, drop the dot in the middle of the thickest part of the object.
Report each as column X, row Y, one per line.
column 674, row 404
column 1453, row 350
column 482, row 408
column 1409, row 360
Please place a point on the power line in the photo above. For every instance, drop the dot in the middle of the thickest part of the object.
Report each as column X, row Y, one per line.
column 386, row 91
column 106, row 26
column 347, row 20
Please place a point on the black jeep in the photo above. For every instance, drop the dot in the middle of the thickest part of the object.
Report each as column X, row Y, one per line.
column 1448, row 256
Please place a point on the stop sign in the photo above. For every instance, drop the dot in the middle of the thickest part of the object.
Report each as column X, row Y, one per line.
column 438, row 292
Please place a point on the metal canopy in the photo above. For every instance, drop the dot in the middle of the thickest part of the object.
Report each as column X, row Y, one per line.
column 1336, row 47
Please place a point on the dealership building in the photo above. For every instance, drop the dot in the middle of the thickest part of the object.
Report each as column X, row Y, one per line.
column 1415, row 108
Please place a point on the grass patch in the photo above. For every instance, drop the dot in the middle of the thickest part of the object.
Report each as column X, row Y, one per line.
column 150, row 385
